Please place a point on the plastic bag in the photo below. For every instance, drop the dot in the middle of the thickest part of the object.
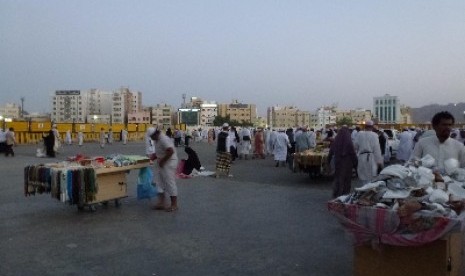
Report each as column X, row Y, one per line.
column 451, row 165
column 428, row 161
column 145, row 188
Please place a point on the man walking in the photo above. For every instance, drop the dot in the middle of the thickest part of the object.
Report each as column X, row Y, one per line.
column 223, row 156
column 369, row 153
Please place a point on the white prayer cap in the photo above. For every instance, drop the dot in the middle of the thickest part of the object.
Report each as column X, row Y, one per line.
column 225, row 125
column 150, row 131
column 369, row 123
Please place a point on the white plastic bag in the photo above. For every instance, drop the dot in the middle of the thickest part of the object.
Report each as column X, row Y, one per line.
column 438, row 196
column 427, row 161
column 451, row 165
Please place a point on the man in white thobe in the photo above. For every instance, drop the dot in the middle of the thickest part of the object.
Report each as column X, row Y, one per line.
column 312, row 136
column 245, row 143
column 280, row 145
column 404, row 151
column 124, row 136
column 273, row 134
column 368, row 153
column 68, row 138
column 440, row 146
column 267, row 138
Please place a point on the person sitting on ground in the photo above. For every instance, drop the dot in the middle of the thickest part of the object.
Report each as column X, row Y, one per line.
column 192, row 162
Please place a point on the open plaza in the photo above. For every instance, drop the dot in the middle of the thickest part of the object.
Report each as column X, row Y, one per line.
column 262, row 221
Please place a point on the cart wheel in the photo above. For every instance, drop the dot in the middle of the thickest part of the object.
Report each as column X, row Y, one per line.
column 117, row 203
column 105, row 203
column 92, row 208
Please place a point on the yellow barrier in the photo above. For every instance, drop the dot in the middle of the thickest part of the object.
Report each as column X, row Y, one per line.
column 31, row 132
column 23, row 137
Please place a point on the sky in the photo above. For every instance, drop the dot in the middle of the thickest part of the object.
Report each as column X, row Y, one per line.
column 307, row 53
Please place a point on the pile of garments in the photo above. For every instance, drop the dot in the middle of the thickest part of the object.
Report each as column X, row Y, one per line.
column 113, row 160
column 408, row 204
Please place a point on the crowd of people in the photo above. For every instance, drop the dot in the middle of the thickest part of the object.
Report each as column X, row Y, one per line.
column 360, row 151
column 7, row 141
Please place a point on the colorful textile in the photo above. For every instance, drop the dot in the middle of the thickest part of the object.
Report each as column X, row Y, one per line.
column 378, row 225
column 223, row 161
column 76, row 185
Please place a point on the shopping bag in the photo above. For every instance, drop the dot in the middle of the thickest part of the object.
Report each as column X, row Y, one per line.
column 145, row 187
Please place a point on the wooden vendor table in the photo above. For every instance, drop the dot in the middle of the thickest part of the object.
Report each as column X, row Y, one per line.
column 384, row 248
column 112, row 183
column 444, row 257
column 81, row 185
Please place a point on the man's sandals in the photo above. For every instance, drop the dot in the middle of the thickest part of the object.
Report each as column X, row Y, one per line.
column 167, row 209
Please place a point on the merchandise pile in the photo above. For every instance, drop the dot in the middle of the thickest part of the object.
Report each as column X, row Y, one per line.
column 113, row 160
column 409, row 204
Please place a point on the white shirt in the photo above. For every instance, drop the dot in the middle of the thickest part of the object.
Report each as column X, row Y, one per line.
column 451, row 148
column 2, row 136
column 164, row 142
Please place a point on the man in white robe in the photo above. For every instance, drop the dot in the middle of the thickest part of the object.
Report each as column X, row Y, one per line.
column 68, row 138
column 124, row 136
column 404, row 151
column 368, row 153
column 245, row 143
column 354, row 133
column 440, row 146
column 80, row 138
column 280, row 146
column 312, row 136
column 272, row 139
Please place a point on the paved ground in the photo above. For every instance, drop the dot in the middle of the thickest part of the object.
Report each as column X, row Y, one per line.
column 263, row 221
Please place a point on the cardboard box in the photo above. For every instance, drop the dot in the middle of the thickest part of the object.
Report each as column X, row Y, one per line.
column 441, row 257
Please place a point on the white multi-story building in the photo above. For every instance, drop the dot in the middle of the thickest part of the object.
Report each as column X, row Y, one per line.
column 125, row 102
column 10, row 110
column 69, row 106
column 161, row 115
column 323, row 117
column 287, row 117
column 358, row 116
column 387, row 109
column 98, row 102
column 76, row 105
column 208, row 112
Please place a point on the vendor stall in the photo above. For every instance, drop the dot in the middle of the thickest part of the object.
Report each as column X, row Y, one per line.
column 409, row 221
column 83, row 182
column 312, row 161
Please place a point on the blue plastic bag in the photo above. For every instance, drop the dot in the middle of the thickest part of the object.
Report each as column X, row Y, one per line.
column 145, row 188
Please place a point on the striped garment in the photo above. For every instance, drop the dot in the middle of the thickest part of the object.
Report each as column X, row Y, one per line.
column 223, row 161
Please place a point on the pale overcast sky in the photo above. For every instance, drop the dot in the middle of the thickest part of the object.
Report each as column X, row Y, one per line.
column 303, row 53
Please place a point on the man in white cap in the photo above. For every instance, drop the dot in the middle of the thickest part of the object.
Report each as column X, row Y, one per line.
column 369, row 155
column 245, row 137
column 280, row 146
column 165, row 171
column 223, row 155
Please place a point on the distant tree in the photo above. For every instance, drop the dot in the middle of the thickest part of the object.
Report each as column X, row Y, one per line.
column 344, row 121
column 220, row 120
